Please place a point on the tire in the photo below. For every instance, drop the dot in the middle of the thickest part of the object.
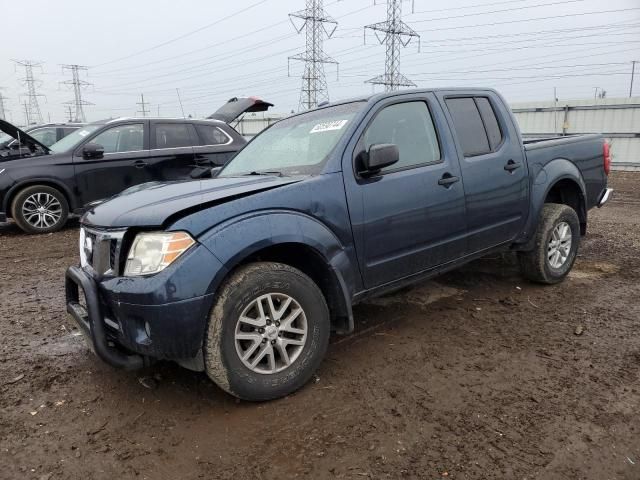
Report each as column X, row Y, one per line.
column 551, row 259
column 240, row 297
column 51, row 219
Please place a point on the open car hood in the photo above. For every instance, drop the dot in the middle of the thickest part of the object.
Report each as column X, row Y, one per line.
column 23, row 137
column 238, row 106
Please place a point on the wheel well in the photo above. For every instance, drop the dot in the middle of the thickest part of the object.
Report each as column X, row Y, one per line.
column 310, row 262
column 567, row 192
column 33, row 183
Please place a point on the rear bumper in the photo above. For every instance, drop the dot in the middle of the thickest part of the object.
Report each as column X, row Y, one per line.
column 605, row 196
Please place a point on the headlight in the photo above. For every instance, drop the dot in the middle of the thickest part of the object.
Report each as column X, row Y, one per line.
column 153, row 252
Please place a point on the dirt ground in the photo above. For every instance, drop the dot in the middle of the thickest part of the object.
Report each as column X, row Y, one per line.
column 476, row 375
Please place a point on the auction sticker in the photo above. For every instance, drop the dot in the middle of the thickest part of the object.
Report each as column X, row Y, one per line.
column 328, row 126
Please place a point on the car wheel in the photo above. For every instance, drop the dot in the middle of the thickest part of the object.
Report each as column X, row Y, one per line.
column 40, row 209
column 268, row 332
column 557, row 239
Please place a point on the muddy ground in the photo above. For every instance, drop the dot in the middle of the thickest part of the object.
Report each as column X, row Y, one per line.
column 477, row 375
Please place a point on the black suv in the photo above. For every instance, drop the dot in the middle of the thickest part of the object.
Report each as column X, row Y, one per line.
column 40, row 186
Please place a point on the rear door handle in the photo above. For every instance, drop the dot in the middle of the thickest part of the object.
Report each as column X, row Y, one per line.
column 511, row 166
column 140, row 164
column 447, row 180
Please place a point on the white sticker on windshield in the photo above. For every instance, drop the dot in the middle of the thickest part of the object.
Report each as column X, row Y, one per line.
column 83, row 133
column 327, row 126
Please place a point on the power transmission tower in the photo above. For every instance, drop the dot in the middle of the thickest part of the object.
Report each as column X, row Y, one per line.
column 316, row 24
column 633, row 73
column 78, row 85
column 33, row 113
column 27, row 115
column 143, row 106
column 70, row 113
column 394, row 33
column 3, row 111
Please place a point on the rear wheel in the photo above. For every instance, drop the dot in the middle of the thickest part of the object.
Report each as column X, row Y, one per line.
column 557, row 240
column 267, row 332
column 40, row 209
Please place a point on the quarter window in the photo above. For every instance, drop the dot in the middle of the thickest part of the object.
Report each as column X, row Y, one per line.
column 490, row 122
column 211, row 135
column 409, row 126
column 122, row 138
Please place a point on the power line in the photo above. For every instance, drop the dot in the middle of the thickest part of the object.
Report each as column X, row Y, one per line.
column 78, row 85
column 554, row 17
column 396, row 34
column 180, row 37
column 314, row 23
column 32, row 108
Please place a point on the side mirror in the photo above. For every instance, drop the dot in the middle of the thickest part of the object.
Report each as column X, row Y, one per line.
column 380, row 156
column 92, row 151
column 215, row 171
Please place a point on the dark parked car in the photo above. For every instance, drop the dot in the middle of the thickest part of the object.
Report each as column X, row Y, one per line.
column 40, row 185
column 244, row 275
column 47, row 134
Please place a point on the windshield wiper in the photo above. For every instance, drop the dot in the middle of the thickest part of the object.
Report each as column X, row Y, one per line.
column 276, row 173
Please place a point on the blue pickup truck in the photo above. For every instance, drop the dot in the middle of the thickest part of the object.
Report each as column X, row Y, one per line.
column 245, row 275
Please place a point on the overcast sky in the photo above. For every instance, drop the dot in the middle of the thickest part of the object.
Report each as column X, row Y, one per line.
column 214, row 50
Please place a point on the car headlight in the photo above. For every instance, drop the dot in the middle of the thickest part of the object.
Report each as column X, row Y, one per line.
column 153, row 252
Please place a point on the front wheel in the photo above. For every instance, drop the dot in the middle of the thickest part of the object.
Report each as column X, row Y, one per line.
column 40, row 209
column 557, row 240
column 268, row 332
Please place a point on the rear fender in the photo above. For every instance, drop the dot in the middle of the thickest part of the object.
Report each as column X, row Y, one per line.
column 544, row 178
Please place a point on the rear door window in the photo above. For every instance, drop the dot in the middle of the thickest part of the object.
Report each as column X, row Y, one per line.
column 468, row 125
column 172, row 135
column 212, row 135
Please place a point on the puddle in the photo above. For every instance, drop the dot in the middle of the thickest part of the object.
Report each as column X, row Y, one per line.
column 593, row 270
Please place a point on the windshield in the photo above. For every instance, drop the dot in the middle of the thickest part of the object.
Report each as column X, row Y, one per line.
column 298, row 145
column 73, row 139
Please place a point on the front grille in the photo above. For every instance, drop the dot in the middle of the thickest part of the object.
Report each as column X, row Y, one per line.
column 100, row 250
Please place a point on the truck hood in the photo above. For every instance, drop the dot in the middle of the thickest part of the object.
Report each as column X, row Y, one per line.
column 153, row 204
column 21, row 136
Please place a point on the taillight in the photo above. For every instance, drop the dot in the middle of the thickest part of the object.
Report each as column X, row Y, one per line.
column 606, row 153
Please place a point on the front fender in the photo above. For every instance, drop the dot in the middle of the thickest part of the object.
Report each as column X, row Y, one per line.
column 235, row 240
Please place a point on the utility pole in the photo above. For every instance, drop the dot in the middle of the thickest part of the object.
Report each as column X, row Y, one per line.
column 394, row 33
column 143, row 106
column 633, row 72
column 555, row 111
column 3, row 111
column 78, row 85
column 316, row 24
column 34, row 115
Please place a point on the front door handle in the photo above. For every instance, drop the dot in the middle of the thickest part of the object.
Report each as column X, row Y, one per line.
column 511, row 166
column 447, row 180
column 140, row 164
